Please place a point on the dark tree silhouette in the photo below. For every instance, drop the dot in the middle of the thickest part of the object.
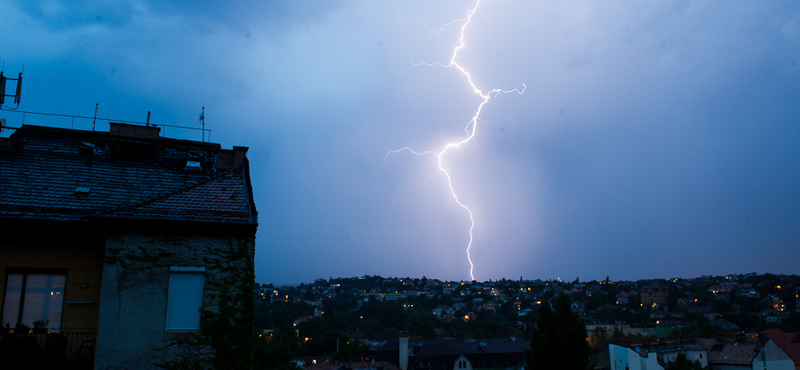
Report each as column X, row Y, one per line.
column 559, row 340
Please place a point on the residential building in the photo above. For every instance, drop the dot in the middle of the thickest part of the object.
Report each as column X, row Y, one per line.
column 746, row 354
column 452, row 354
column 789, row 343
column 654, row 295
column 623, row 358
column 123, row 242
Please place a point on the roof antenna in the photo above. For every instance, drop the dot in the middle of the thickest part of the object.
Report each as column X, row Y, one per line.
column 96, row 105
column 203, row 121
column 18, row 92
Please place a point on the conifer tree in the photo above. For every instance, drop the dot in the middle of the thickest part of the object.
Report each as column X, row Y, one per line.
column 559, row 340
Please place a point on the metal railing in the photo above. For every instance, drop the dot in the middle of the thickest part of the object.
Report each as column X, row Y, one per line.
column 92, row 123
column 67, row 348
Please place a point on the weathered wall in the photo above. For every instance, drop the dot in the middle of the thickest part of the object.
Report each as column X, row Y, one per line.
column 132, row 331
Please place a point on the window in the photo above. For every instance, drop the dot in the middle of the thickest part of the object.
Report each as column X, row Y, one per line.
column 185, row 298
column 32, row 297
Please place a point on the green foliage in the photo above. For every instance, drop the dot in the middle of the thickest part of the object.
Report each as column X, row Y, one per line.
column 225, row 340
column 350, row 351
column 273, row 315
column 227, row 320
column 189, row 351
column 682, row 363
column 559, row 342
column 272, row 355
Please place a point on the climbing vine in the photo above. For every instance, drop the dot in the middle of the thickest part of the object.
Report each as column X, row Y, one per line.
column 225, row 339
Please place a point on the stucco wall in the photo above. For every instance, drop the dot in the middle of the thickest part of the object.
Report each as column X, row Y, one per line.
column 774, row 358
column 80, row 257
column 692, row 355
column 622, row 357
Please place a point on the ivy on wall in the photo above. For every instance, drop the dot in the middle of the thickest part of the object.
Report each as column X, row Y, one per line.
column 225, row 339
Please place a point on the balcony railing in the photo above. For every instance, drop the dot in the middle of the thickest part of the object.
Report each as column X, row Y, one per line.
column 67, row 348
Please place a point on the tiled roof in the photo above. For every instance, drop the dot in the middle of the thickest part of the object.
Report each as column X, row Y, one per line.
column 731, row 353
column 71, row 175
column 789, row 342
column 456, row 347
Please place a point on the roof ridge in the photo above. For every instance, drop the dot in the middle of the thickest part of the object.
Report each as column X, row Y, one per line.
column 170, row 194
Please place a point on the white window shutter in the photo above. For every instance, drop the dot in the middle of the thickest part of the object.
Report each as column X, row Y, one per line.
column 185, row 300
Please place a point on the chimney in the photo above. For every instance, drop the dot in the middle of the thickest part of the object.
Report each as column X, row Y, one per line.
column 133, row 131
column 403, row 355
column 227, row 158
column 239, row 153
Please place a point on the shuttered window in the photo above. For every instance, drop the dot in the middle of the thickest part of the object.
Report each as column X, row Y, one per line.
column 185, row 298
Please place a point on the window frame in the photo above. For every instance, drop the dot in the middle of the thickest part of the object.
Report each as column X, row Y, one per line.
column 26, row 272
column 170, row 323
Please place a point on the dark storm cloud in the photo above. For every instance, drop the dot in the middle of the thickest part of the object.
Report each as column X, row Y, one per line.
column 654, row 139
column 275, row 14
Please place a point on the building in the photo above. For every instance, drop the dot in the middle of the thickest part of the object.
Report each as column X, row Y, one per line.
column 655, row 356
column 451, row 354
column 746, row 354
column 654, row 295
column 789, row 343
column 716, row 354
column 623, row 358
column 127, row 246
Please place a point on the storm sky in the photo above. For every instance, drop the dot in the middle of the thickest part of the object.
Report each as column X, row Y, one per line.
column 654, row 138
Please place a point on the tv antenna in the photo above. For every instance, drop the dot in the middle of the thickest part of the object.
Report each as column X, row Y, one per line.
column 18, row 92
column 203, row 122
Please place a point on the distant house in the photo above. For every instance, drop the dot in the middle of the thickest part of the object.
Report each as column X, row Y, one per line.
column 622, row 298
column 717, row 354
column 770, row 316
column 122, row 241
column 722, row 291
column 301, row 320
column 526, row 311
column 442, row 310
column 725, row 325
column 454, row 354
column 356, row 335
column 654, row 295
column 705, row 310
column 623, row 358
column 317, row 363
column 394, row 297
column 687, row 300
column 789, row 343
column 746, row 355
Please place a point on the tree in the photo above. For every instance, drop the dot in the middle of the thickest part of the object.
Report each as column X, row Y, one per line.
column 683, row 363
column 559, row 341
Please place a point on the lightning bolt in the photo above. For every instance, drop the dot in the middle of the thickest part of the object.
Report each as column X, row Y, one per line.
column 470, row 129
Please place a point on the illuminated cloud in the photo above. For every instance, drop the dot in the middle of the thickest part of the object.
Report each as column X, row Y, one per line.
column 654, row 139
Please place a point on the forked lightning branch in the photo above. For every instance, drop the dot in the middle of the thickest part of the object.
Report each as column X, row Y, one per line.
column 470, row 126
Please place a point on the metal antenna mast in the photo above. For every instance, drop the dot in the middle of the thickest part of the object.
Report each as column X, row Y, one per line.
column 203, row 122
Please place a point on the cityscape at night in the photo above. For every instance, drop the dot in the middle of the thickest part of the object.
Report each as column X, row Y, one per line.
column 400, row 185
